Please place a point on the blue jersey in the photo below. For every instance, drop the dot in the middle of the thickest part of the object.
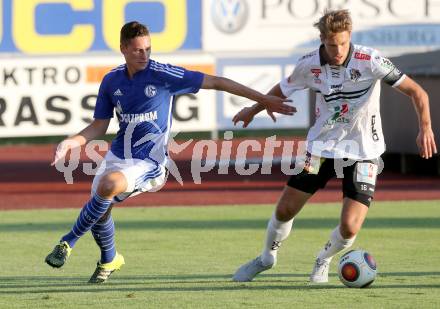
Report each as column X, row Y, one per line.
column 143, row 106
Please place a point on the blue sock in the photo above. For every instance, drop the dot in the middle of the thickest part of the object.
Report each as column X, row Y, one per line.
column 94, row 209
column 104, row 234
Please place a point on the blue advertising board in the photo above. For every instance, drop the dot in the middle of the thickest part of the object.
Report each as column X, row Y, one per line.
column 79, row 26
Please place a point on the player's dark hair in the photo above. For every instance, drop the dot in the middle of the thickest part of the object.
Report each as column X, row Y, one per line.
column 334, row 22
column 132, row 30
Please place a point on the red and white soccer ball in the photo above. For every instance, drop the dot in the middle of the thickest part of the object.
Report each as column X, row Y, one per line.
column 357, row 269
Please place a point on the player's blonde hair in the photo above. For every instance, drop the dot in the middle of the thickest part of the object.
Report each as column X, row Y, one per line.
column 333, row 22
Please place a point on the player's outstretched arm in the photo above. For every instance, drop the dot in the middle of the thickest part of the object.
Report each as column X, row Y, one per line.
column 246, row 115
column 425, row 139
column 274, row 104
column 96, row 129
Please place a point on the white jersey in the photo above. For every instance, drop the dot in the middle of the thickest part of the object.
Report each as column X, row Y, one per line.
column 348, row 123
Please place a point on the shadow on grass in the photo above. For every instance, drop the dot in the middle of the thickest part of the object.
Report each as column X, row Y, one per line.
column 300, row 223
column 47, row 284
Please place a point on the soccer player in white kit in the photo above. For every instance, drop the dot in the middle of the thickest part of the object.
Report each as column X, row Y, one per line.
column 141, row 92
column 345, row 139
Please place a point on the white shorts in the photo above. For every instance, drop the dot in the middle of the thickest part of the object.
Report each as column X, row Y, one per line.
column 141, row 176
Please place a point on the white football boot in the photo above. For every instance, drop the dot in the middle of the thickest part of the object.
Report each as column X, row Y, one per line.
column 248, row 271
column 320, row 271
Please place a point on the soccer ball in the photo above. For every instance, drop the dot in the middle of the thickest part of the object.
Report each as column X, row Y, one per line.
column 357, row 269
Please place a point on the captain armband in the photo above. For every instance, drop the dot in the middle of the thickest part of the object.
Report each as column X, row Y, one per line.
column 393, row 77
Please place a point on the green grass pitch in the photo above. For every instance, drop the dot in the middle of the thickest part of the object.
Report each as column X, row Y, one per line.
column 184, row 257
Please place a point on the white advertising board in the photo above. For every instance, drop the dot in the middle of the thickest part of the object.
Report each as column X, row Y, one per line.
column 261, row 74
column 286, row 25
column 56, row 96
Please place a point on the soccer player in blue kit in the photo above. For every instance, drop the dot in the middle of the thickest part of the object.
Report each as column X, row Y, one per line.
column 141, row 92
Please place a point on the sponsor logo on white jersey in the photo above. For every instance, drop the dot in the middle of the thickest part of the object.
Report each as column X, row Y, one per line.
column 336, row 88
column 316, row 72
column 340, row 114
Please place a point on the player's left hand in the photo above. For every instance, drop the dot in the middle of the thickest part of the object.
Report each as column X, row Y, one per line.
column 246, row 115
column 275, row 104
column 426, row 143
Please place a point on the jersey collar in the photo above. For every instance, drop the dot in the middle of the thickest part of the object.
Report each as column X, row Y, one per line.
column 324, row 62
column 137, row 73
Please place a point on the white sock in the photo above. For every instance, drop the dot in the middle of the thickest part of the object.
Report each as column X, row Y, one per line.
column 336, row 244
column 276, row 232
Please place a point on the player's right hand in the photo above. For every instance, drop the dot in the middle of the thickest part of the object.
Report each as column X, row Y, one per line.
column 246, row 115
column 61, row 151
column 276, row 104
